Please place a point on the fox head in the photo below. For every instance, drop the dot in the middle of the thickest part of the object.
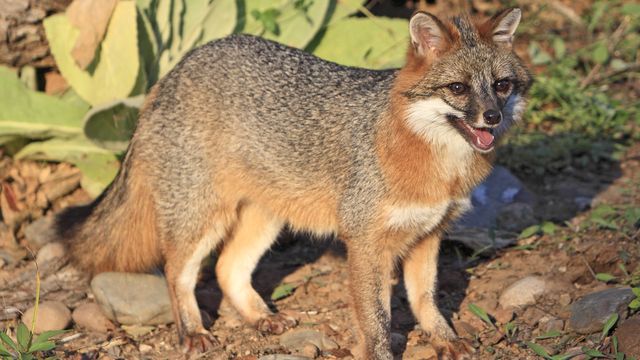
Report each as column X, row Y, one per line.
column 463, row 85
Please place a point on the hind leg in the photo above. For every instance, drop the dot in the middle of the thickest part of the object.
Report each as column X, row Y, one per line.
column 181, row 269
column 254, row 233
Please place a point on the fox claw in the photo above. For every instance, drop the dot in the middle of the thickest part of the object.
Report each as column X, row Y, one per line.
column 276, row 324
column 199, row 343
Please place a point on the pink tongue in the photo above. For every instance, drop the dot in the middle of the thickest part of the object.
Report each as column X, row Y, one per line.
column 484, row 137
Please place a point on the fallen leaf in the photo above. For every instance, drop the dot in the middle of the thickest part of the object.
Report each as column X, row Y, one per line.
column 91, row 18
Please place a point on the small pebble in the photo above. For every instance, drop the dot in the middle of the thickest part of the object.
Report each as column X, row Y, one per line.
column 523, row 292
column 89, row 316
column 144, row 348
column 52, row 315
column 310, row 350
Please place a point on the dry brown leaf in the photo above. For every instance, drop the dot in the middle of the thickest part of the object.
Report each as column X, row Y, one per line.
column 91, row 17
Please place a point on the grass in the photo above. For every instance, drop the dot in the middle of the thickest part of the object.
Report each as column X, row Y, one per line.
column 576, row 116
column 27, row 345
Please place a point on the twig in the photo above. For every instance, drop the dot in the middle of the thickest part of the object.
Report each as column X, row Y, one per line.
column 568, row 12
column 589, row 267
column 105, row 345
column 70, row 338
column 614, row 40
column 610, row 74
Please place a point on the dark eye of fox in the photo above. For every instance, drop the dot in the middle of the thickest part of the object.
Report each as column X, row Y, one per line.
column 502, row 86
column 457, row 88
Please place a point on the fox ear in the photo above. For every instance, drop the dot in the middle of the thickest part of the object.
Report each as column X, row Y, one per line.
column 428, row 34
column 504, row 25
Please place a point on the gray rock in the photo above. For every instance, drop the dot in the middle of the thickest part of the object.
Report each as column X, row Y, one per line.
column 295, row 340
column 481, row 239
column 548, row 324
column 500, row 189
column 523, row 292
column 516, row 217
column 133, row 299
column 52, row 315
column 89, row 316
column 49, row 252
column 590, row 312
column 39, row 232
column 628, row 337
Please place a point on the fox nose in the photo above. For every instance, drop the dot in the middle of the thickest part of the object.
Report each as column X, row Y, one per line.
column 492, row 117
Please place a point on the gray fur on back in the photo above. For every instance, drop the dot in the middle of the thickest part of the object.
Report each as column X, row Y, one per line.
column 275, row 109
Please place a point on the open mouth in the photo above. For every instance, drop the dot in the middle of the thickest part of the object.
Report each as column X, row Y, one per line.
column 480, row 138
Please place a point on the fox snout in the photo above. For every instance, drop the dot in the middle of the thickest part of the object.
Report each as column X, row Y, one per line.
column 492, row 117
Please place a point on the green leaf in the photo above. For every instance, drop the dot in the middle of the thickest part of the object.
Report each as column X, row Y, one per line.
column 377, row 43
column 282, row 291
column 559, row 48
column 4, row 352
column 538, row 55
column 23, row 335
column 636, row 291
column 631, row 9
column 117, row 69
column 619, row 356
column 608, row 325
column 562, row 356
column 220, row 20
column 635, row 304
column 548, row 228
column 538, row 349
column 530, row 231
column 605, row 277
column 605, row 224
column 46, row 335
column 600, row 54
column 632, row 216
column 549, row 335
column 60, row 149
column 592, row 352
column 33, row 114
column 292, row 26
column 345, row 8
column 614, row 342
column 42, row 346
column 111, row 125
column 7, row 340
column 98, row 171
column 479, row 312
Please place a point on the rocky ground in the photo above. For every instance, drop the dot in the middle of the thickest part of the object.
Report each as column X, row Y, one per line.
column 554, row 287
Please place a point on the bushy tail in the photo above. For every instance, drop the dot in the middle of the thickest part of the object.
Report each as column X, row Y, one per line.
column 117, row 231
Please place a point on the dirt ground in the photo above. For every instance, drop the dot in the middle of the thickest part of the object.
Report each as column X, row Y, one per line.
column 569, row 258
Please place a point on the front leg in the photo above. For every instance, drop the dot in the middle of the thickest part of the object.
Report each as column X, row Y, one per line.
column 370, row 268
column 420, row 275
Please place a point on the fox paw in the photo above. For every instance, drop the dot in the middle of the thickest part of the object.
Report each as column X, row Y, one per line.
column 455, row 349
column 276, row 324
column 199, row 343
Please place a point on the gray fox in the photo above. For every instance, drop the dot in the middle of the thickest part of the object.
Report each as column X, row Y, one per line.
column 246, row 135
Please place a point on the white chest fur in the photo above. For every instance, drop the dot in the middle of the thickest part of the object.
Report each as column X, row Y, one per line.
column 423, row 218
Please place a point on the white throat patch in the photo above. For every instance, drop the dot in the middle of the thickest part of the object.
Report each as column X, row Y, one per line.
column 416, row 217
column 428, row 119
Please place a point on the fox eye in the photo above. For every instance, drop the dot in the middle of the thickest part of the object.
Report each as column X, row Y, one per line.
column 457, row 88
column 502, row 86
